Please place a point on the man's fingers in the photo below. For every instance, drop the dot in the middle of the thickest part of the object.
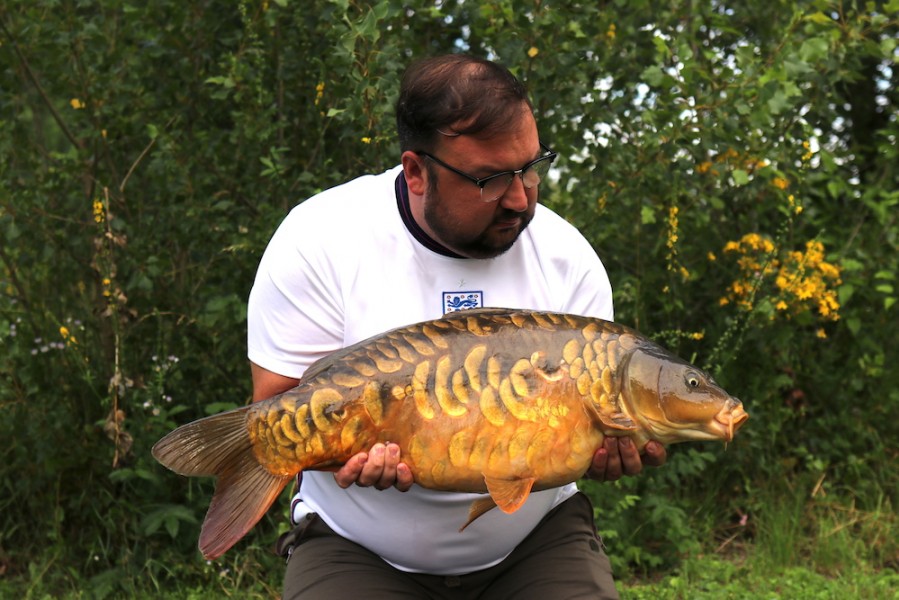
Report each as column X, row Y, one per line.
column 349, row 473
column 381, row 468
column 654, row 454
column 387, row 477
column 613, row 462
column 404, row 479
column 631, row 464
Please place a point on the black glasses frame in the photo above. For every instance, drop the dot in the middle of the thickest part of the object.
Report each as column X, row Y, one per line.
column 482, row 182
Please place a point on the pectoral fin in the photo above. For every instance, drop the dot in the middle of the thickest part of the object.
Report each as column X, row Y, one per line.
column 509, row 494
column 618, row 421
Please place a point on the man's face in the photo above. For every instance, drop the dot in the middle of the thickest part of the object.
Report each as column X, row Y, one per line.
column 453, row 209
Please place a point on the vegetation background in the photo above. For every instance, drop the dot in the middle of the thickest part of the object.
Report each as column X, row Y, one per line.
column 734, row 164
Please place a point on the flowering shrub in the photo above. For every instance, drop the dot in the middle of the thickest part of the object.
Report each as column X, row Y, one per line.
column 796, row 283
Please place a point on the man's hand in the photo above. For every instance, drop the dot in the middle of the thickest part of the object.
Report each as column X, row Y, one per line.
column 381, row 468
column 620, row 456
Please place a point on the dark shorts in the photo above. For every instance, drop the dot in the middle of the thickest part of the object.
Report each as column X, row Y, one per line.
column 561, row 559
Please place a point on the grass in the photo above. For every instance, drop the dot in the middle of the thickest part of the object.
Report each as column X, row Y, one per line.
column 713, row 578
column 698, row 578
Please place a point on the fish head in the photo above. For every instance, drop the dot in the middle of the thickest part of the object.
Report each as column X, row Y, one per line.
column 674, row 401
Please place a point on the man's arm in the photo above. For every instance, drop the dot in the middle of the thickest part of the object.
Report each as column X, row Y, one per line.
column 381, row 467
column 267, row 384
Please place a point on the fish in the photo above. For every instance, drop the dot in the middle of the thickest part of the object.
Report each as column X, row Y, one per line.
column 500, row 402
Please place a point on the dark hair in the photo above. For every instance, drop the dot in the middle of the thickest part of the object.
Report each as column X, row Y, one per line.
column 457, row 94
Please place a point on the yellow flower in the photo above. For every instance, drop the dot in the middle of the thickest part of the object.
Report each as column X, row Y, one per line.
column 366, row 140
column 98, row 211
column 76, row 103
column 711, row 256
column 601, row 201
column 533, row 51
column 830, row 271
column 821, row 333
column 611, row 31
column 67, row 336
column 780, row 183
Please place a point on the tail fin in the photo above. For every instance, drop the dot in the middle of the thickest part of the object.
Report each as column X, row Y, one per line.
column 220, row 446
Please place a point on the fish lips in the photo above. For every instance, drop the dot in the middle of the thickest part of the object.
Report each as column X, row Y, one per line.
column 730, row 419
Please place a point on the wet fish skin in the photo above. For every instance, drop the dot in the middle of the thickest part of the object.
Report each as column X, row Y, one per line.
column 494, row 400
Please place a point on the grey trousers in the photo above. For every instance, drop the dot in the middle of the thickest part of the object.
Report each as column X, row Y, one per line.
column 562, row 559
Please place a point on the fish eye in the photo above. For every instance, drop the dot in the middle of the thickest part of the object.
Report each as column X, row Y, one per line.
column 692, row 380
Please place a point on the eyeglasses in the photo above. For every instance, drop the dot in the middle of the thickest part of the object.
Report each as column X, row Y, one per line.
column 494, row 186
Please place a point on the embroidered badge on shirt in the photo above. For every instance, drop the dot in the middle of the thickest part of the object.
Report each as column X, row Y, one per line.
column 453, row 301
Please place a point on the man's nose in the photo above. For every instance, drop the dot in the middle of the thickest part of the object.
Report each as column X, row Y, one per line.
column 516, row 197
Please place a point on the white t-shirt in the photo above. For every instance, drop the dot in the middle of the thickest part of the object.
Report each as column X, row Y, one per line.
column 342, row 267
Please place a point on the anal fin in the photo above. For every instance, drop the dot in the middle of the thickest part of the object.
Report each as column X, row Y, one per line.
column 478, row 508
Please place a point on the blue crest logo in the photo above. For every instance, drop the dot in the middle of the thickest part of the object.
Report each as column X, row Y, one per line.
column 453, row 301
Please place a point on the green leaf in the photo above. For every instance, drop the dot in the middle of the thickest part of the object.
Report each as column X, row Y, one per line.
column 224, row 81
column 814, row 49
column 778, row 102
column 820, row 18
column 654, row 75
column 740, row 176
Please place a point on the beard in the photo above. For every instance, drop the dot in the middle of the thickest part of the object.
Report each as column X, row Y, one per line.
column 490, row 242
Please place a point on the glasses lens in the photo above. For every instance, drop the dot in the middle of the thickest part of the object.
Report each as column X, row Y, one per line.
column 536, row 172
column 496, row 187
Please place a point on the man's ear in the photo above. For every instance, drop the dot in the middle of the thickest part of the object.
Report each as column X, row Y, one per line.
column 415, row 172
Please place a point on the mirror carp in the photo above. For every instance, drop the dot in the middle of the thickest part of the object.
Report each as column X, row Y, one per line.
column 494, row 401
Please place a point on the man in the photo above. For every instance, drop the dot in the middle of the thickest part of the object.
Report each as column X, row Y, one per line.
column 456, row 225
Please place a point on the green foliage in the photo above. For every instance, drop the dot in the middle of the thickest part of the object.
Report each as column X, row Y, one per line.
column 710, row 578
column 148, row 151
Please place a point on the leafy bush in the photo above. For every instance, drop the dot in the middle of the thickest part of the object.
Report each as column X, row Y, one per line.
column 734, row 167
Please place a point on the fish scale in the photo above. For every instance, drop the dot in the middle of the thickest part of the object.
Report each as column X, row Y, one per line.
column 493, row 401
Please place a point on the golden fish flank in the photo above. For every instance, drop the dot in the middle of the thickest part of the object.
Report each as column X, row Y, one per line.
column 497, row 401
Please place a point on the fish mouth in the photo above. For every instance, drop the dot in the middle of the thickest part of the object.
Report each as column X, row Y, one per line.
column 730, row 419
